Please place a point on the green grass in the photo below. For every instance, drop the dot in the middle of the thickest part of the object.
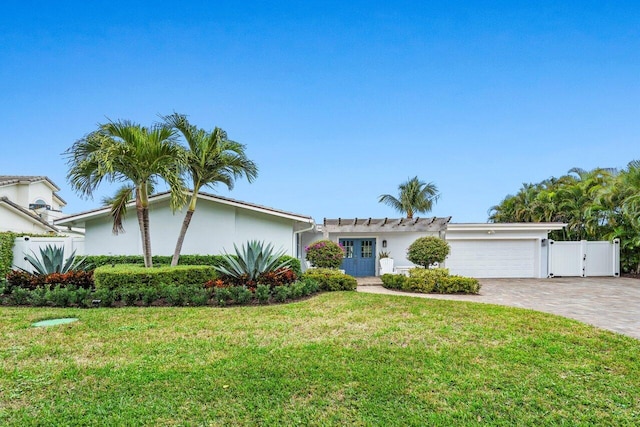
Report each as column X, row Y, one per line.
column 336, row 359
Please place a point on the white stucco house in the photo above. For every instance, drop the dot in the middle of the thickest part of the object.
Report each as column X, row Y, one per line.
column 29, row 204
column 481, row 250
column 216, row 225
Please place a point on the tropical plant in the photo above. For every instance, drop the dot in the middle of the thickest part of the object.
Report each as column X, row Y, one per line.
column 414, row 196
column 211, row 158
column 52, row 260
column 252, row 260
column 325, row 254
column 426, row 251
column 597, row 204
column 126, row 152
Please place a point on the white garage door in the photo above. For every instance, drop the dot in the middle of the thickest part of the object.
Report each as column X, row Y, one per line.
column 492, row 258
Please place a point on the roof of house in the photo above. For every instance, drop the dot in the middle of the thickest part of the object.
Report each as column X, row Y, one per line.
column 506, row 226
column 80, row 218
column 360, row 225
column 16, row 179
column 26, row 213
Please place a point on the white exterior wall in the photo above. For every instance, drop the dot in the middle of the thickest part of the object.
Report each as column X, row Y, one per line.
column 10, row 192
column 214, row 229
column 10, row 220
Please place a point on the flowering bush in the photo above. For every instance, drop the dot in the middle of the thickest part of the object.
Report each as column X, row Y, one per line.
column 325, row 254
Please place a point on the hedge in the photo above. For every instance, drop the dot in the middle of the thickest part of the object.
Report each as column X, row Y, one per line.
column 434, row 280
column 210, row 260
column 7, row 240
column 135, row 276
column 331, row 280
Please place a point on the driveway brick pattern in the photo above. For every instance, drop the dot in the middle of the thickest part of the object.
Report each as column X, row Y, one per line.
column 608, row 303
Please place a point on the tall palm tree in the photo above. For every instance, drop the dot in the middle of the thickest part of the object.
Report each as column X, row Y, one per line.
column 210, row 159
column 414, row 196
column 124, row 151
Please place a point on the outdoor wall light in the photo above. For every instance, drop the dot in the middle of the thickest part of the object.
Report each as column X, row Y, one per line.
column 384, row 243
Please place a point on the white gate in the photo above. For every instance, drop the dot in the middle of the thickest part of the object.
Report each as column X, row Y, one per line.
column 583, row 258
column 26, row 244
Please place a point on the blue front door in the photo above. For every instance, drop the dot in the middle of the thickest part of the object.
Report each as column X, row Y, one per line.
column 359, row 257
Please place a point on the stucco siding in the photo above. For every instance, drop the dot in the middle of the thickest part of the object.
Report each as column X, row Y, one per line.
column 213, row 230
column 12, row 221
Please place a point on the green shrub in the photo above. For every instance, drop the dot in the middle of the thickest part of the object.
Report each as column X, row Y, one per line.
column 198, row 297
column 174, row 294
column 331, row 280
column 294, row 264
column 38, row 297
column 240, row 294
column 281, row 293
column 325, row 254
column 427, row 280
column 59, row 296
column 222, row 296
column 415, row 284
column 311, row 285
column 393, row 281
column 458, row 285
column 134, row 276
column 7, row 240
column 100, row 260
column 104, row 296
column 263, row 292
column 20, row 296
column 83, row 297
column 426, row 251
column 149, row 294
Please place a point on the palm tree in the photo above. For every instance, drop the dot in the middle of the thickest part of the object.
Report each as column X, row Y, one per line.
column 415, row 196
column 210, row 159
column 124, row 151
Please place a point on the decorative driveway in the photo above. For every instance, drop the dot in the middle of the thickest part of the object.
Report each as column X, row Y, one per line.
column 605, row 302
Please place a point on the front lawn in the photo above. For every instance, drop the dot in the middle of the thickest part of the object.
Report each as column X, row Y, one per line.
column 340, row 358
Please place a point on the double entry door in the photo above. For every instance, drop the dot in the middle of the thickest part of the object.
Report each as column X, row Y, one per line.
column 359, row 257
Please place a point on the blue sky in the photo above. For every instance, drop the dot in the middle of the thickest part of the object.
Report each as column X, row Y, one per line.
column 337, row 102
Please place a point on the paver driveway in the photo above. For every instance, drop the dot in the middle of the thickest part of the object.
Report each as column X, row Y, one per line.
column 609, row 303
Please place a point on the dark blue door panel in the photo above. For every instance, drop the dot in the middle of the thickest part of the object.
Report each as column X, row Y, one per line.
column 359, row 257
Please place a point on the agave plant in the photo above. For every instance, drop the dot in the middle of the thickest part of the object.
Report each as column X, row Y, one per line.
column 52, row 261
column 251, row 260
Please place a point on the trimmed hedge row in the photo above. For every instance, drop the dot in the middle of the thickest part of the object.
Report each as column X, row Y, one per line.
column 434, row 280
column 331, row 280
column 163, row 295
column 7, row 240
column 132, row 276
column 210, row 260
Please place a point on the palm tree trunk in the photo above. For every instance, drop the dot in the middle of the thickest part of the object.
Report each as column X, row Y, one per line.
column 140, row 216
column 146, row 243
column 185, row 227
column 183, row 232
column 143, row 218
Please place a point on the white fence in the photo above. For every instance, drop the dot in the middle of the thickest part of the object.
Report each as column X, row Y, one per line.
column 24, row 245
column 584, row 259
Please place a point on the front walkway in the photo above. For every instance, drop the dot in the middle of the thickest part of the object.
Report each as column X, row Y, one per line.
column 606, row 302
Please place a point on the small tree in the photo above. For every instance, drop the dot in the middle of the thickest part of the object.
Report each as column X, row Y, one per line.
column 325, row 254
column 426, row 251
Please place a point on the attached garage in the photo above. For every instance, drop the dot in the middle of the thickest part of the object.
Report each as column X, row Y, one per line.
column 493, row 258
column 499, row 250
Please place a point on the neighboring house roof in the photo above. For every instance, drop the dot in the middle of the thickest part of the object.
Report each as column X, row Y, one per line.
column 506, row 226
column 368, row 225
column 80, row 218
column 26, row 213
column 16, row 179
